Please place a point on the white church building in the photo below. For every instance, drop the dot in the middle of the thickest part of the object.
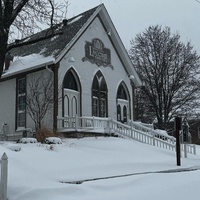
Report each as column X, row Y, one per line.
column 92, row 73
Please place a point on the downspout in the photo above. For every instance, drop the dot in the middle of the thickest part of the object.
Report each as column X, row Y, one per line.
column 55, row 111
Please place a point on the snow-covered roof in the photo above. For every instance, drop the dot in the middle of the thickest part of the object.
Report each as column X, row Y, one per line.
column 43, row 48
column 26, row 63
column 50, row 45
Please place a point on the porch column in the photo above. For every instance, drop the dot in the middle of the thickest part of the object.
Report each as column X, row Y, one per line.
column 55, row 109
column 133, row 101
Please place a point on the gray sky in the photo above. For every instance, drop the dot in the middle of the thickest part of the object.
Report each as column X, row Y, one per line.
column 134, row 16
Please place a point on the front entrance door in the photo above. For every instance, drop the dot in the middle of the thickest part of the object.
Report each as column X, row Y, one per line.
column 71, row 106
column 123, row 102
column 71, row 92
column 122, row 110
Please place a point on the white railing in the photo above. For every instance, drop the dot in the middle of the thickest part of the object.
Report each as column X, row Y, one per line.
column 134, row 130
column 82, row 123
column 4, row 177
column 148, row 136
column 190, row 148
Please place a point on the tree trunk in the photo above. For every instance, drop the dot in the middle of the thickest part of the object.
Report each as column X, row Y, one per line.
column 3, row 47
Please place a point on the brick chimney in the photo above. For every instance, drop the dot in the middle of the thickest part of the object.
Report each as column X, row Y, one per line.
column 8, row 58
column 65, row 21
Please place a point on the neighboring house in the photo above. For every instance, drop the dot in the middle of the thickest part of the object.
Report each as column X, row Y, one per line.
column 91, row 70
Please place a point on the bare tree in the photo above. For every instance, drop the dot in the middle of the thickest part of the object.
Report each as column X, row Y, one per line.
column 169, row 70
column 40, row 98
column 143, row 107
column 26, row 16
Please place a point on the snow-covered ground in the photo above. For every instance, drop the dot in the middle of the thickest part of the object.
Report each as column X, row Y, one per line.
column 37, row 171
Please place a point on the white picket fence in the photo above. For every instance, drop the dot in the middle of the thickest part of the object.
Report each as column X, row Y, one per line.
column 134, row 130
column 4, row 177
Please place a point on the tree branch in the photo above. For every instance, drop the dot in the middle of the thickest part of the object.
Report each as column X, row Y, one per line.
column 17, row 10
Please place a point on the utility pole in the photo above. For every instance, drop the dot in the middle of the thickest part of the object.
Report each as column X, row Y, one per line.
column 178, row 124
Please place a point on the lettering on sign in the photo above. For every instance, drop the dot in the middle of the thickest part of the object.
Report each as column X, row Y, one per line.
column 96, row 53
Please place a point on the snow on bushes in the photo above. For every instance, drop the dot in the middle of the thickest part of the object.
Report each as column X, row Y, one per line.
column 53, row 140
column 13, row 147
column 27, row 140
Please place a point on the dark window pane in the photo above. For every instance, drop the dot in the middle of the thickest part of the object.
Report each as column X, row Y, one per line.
column 21, row 119
column 125, row 113
column 70, row 82
column 21, row 103
column 121, row 93
column 22, row 86
column 118, row 113
column 103, row 108
column 95, row 107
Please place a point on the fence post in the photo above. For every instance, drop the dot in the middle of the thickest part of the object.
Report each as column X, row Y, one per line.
column 111, row 125
column 4, row 176
column 108, row 125
column 194, row 149
column 154, row 142
column 93, row 121
column 131, row 130
column 76, row 122
column 185, row 150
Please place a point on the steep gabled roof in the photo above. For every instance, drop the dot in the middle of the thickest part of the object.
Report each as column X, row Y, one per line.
column 53, row 43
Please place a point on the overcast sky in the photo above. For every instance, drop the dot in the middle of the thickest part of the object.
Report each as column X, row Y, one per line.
column 134, row 16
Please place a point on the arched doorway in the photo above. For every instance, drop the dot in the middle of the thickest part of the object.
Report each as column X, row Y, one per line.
column 71, row 92
column 123, row 103
column 99, row 96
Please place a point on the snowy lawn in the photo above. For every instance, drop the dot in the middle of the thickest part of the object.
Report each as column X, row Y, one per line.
column 37, row 171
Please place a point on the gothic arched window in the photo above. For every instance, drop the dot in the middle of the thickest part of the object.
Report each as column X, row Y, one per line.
column 121, row 93
column 71, row 92
column 70, row 82
column 123, row 103
column 99, row 96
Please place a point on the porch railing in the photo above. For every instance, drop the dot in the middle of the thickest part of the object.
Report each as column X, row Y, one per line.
column 134, row 130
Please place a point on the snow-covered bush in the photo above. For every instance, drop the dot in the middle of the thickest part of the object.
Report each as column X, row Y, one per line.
column 162, row 132
column 53, row 140
column 51, row 147
column 14, row 147
column 27, row 140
